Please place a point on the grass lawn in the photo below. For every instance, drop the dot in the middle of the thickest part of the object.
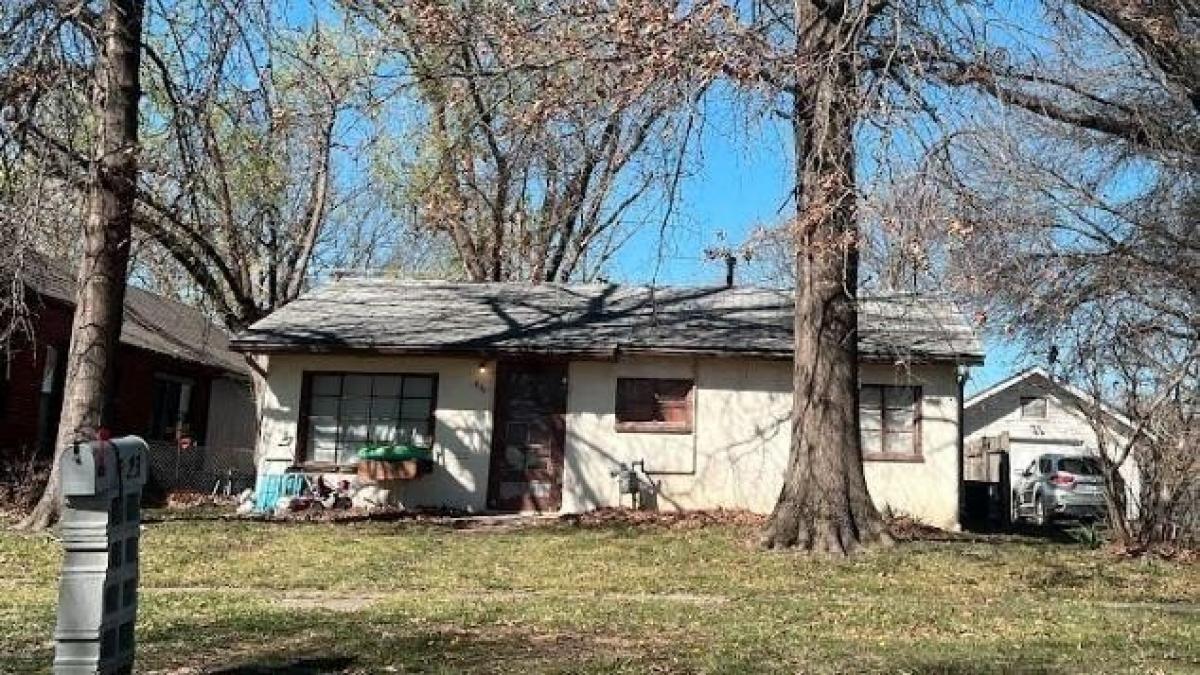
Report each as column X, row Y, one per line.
column 248, row 597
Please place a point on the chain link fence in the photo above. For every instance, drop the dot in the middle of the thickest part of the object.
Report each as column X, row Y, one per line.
column 199, row 469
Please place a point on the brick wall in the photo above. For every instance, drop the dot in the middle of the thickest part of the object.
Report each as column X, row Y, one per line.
column 21, row 402
column 132, row 407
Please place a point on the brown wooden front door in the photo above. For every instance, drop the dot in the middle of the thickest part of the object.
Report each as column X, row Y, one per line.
column 527, row 446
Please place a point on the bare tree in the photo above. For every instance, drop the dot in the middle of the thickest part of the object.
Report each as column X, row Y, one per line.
column 536, row 152
column 241, row 178
column 843, row 67
column 1076, row 213
column 107, row 231
column 239, row 146
column 243, row 152
column 1151, row 386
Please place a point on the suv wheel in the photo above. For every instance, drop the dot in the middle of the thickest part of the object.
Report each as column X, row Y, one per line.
column 1039, row 512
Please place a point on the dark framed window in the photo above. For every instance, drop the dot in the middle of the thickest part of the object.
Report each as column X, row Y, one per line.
column 171, row 407
column 654, row 405
column 343, row 412
column 1033, row 407
column 890, row 422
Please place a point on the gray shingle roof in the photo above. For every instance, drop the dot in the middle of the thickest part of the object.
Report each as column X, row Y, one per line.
column 398, row 316
column 151, row 322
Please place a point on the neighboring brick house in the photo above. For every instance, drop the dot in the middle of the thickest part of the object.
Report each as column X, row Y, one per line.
column 171, row 361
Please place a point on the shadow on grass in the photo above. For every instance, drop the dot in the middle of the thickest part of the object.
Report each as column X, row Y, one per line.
column 1068, row 532
column 450, row 518
column 310, row 666
column 253, row 642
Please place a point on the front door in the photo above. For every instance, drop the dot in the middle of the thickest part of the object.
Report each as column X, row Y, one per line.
column 527, row 446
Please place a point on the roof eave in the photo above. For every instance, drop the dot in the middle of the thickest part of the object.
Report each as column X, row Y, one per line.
column 476, row 351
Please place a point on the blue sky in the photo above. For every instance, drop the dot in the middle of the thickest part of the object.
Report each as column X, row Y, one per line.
column 741, row 176
column 737, row 179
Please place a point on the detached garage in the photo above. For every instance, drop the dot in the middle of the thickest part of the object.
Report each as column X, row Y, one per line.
column 1031, row 414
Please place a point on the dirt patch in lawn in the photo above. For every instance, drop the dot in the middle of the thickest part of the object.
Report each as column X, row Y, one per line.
column 339, row 602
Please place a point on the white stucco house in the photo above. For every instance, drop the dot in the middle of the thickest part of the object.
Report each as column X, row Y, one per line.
column 1037, row 414
column 529, row 397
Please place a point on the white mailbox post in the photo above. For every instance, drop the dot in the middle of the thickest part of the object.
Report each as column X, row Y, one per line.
column 97, row 596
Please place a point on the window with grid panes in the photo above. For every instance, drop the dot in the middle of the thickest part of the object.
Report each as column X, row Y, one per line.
column 347, row 411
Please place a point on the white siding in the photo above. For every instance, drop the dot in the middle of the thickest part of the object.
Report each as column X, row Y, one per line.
column 734, row 458
column 738, row 451
column 927, row 490
column 462, row 432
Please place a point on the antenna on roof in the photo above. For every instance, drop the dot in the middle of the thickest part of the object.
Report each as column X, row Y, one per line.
column 729, row 254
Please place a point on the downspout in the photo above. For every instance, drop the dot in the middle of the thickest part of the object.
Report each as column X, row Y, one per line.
column 962, row 374
column 696, row 409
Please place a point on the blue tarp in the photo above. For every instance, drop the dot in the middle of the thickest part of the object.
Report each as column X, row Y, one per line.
column 273, row 486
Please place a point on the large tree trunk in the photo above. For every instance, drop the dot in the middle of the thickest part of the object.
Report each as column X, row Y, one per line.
column 99, row 299
column 824, row 506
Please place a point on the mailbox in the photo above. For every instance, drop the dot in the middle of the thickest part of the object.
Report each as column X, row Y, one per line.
column 97, row 598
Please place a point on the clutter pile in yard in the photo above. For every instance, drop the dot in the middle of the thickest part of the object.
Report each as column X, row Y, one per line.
column 295, row 493
column 361, row 488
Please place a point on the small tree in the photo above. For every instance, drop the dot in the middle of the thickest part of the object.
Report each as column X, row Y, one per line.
column 1137, row 397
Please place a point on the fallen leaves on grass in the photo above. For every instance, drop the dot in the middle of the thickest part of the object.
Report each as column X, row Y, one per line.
column 675, row 520
column 907, row 528
column 1170, row 552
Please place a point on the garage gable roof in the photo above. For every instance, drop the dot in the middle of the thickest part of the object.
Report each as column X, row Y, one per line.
column 1046, row 382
